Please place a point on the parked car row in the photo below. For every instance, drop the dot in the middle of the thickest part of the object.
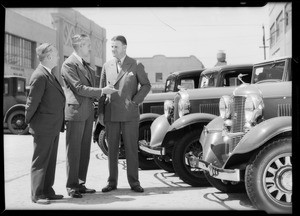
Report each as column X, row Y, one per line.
column 187, row 114
column 233, row 138
column 228, row 126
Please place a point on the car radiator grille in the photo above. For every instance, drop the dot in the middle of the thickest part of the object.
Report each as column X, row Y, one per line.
column 157, row 109
column 284, row 110
column 238, row 119
column 212, row 108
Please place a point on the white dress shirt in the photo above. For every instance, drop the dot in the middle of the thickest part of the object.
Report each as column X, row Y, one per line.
column 48, row 69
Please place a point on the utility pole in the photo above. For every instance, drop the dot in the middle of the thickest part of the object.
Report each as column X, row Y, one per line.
column 264, row 43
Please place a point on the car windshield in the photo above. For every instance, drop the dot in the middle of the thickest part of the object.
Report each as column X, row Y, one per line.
column 170, row 84
column 187, row 83
column 272, row 71
column 21, row 86
column 208, row 80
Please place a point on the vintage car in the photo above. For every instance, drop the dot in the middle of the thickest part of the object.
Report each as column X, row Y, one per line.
column 151, row 108
column 185, row 117
column 249, row 146
column 14, row 100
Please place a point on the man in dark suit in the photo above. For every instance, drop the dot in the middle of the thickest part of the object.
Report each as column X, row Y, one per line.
column 45, row 115
column 80, row 91
column 121, row 112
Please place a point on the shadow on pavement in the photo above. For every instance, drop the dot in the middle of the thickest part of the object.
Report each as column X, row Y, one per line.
column 221, row 198
column 119, row 195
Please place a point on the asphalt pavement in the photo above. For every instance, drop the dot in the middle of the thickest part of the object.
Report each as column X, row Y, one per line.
column 163, row 190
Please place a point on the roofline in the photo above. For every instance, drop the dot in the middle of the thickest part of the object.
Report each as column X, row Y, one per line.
column 273, row 59
column 218, row 68
column 187, row 71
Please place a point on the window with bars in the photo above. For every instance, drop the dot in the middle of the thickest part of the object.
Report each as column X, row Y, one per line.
column 19, row 51
column 279, row 26
column 288, row 16
column 272, row 33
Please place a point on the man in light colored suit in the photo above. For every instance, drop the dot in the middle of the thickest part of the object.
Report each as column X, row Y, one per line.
column 121, row 112
column 45, row 115
column 80, row 91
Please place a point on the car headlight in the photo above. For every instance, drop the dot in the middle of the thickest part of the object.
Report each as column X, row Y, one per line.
column 168, row 108
column 183, row 104
column 224, row 106
column 253, row 108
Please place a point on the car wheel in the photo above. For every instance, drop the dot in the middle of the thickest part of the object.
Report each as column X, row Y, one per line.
column 146, row 161
column 16, row 123
column 189, row 143
column 268, row 177
column 165, row 165
column 103, row 144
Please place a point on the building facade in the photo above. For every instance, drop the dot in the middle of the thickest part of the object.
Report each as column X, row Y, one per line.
column 27, row 28
column 159, row 67
column 280, row 22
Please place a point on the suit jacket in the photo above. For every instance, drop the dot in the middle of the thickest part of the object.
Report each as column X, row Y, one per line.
column 120, row 106
column 45, row 104
column 79, row 88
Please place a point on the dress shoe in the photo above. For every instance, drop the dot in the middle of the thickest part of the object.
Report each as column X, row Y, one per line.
column 42, row 201
column 108, row 188
column 84, row 189
column 74, row 194
column 55, row 197
column 138, row 189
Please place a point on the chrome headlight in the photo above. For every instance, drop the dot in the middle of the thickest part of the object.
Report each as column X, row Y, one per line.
column 253, row 108
column 224, row 106
column 183, row 104
column 168, row 108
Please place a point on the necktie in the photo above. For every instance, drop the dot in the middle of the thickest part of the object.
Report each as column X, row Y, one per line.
column 119, row 65
column 85, row 64
column 55, row 78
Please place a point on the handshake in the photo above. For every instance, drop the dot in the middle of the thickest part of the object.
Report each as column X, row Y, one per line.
column 109, row 89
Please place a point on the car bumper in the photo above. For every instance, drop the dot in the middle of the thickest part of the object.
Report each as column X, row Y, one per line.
column 145, row 146
column 216, row 172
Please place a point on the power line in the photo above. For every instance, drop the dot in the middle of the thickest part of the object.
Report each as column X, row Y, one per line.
column 162, row 21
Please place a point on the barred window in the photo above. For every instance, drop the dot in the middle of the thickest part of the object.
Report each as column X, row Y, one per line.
column 272, row 33
column 279, row 26
column 288, row 16
column 18, row 51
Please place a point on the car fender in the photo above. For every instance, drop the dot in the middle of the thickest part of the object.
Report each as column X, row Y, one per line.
column 262, row 133
column 159, row 128
column 212, row 142
column 191, row 119
column 181, row 126
column 12, row 109
column 148, row 117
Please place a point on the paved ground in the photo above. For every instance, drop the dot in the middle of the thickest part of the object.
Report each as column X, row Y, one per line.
column 163, row 190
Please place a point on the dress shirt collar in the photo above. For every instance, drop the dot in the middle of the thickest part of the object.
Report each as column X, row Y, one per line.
column 48, row 69
column 78, row 57
column 122, row 59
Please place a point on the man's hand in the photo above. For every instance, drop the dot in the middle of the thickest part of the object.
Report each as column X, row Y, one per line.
column 109, row 89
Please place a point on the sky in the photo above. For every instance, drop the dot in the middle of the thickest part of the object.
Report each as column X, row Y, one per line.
column 186, row 31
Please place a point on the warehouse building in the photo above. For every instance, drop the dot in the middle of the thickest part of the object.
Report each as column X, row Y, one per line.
column 27, row 28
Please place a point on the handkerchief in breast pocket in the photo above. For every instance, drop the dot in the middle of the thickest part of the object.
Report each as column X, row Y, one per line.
column 130, row 74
